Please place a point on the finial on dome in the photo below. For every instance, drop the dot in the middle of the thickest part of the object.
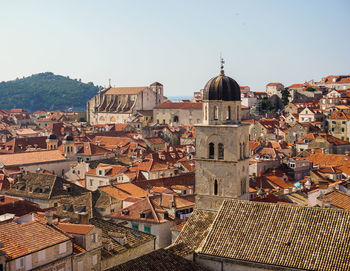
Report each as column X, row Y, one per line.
column 222, row 61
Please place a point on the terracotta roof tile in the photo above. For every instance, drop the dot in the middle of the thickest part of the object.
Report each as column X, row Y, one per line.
column 22, row 239
column 280, row 235
column 31, row 158
column 81, row 229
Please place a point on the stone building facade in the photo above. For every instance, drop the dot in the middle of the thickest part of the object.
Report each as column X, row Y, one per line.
column 117, row 105
column 222, row 154
column 180, row 113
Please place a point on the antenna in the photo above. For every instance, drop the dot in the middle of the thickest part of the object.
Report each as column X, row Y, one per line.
column 109, row 82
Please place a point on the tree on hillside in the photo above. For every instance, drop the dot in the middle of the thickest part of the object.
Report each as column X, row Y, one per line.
column 311, row 89
column 285, row 96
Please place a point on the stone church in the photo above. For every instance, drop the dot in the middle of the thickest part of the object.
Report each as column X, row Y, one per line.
column 117, row 104
column 222, row 145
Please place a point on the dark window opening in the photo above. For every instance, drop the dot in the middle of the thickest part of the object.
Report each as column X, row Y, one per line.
column 215, row 187
column 211, row 151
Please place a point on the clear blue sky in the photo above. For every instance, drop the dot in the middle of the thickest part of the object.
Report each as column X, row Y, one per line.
column 177, row 43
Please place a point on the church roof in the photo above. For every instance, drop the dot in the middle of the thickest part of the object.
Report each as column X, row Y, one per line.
column 125, row 90
column 287, row 236
column 193, row 233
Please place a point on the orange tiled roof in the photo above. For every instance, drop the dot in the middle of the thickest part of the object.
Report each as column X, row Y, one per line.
column 92, row 149
column 31, row 158
column 22, row 239
column 81, row 229
column 339, row 115
column 337, row 199
column 124, row 190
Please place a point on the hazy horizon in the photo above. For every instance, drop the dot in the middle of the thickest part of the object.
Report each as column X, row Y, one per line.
column 175, row 43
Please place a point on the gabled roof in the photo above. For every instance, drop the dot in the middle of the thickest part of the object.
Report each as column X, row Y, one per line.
column 80, row 229
column 110, row 231
column 22, row 239
column 280, row 235
column 44, row 186
column 339, row 115
column 89, row 149
column 150, row 208
column 159, row 260
column 337, row 199
column 125, row 90
column 123, row 191
column 17, row 159
column 193, row 233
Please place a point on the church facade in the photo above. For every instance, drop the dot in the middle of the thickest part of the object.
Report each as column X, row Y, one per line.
column 117, row 104
column 222, row 146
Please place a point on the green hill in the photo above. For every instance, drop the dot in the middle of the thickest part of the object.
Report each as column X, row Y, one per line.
column 46, row 91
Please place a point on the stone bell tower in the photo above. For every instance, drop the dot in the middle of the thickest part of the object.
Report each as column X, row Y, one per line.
column 222, row 151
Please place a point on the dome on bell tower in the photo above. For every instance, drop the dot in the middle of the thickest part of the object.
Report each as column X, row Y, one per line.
column 222, row 88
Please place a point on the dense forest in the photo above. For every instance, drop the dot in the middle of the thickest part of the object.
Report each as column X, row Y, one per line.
column 46, row 91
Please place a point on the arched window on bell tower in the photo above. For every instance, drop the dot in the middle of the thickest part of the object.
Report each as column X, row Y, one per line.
column 216, row 112
column 211, row 151
column 216, row 187
column 221, row 151
column 228, row 116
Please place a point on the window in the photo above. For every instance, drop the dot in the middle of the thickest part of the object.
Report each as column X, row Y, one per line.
column 206, row 113
column 342, row 129
column 216, row 112
column 211, row 151
column 62, row 248
column 94, row 238
column 221, row 151
column 100, row 172
column 176, row 119
column 91, row 182
column 147, row 229
column 94, row 259
column 333, row 129
column 135, row 227
column 42, row 255
column 215, row 187
column 228, row 117
column 19, row 263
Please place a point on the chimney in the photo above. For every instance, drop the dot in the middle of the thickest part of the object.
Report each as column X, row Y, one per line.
column 323, row 185
column 49, row 217
column 83, row 219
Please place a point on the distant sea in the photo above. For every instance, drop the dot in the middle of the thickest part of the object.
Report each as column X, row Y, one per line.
column 179, row 98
